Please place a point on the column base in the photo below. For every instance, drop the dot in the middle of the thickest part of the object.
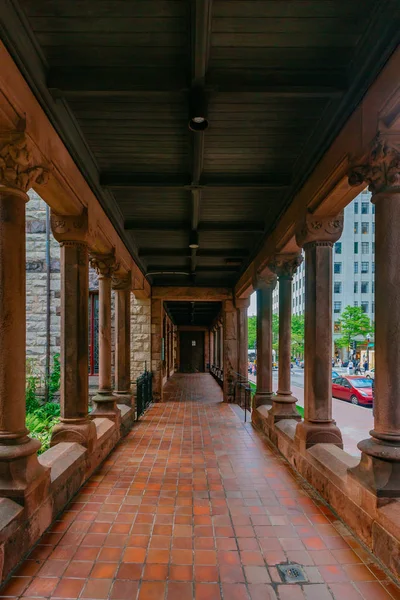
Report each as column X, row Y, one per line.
column 283, row 407
column 105, row 407
column 22, row 477
column 81, row 431
column 309, row 433
column 379, row 468
column 262, row 398
column 124, row 398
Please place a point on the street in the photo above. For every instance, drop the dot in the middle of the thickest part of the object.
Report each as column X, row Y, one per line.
column 355, row 422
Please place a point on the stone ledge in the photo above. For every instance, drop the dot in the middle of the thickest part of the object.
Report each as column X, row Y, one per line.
column 62, row 459
column 326, row 468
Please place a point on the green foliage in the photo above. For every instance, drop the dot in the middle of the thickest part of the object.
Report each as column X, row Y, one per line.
column 41, row 417
column 252, row 332
column 353, row 322
column 298, row 335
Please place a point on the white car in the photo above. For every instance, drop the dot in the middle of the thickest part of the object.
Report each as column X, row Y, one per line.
column 370, row 374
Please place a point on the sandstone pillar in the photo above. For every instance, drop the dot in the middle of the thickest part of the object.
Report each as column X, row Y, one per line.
column 75, row 425
column 157, row 310
column 317, row 235
column 379, row 468
column 221, row 345
column 242, row 304
column 264, row 287
column 105, row 402
column 122, row 288
column 21, row 475
column 212, row 346
column 283, row 402
column 229, row 349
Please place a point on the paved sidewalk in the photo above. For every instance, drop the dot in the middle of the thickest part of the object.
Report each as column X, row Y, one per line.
column 194, row 505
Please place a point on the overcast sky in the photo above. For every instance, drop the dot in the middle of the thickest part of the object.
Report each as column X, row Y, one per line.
column 252, row 308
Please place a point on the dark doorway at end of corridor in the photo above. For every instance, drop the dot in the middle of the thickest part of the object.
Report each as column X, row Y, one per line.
column 192, row 351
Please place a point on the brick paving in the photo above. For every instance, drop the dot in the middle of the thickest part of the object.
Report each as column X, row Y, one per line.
column 193, row 505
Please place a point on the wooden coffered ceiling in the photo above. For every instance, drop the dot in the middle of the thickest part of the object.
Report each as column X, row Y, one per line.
column 280, row 77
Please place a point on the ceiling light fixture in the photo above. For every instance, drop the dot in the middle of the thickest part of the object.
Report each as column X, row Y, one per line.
column 194, row 240
column 198, row 121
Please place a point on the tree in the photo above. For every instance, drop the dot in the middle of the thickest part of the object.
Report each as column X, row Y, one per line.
column 298, row 335
column 353, row 322
column 252, row 332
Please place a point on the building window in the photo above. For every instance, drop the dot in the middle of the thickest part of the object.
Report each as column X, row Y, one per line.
column 338, row 248
column 356, row 208
column 364, row 267
column 356, row 227
column 337, row 307
column 373, row 307
column 373, row 209
column 364, row 247
column 364, row 208
column 356, row 267
column 337, row 267
column 355, row 247
column 337, row 287
column 373, row 287
column 364, row 287
column 373, row 227
column 355, row 304
column 364, row 306
column 93, row 333
column 373, row 247
column 365, row 227
column 356, row 287
column 373, row 267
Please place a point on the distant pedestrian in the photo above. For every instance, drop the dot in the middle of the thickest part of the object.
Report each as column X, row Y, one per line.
column 350, row 367
column 365, row 365
column 357, row 370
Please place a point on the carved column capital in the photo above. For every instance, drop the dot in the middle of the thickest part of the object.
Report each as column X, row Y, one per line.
column 19, row 169
column 379, row 167
column 314, row 229
column 285, row 265
column 121, row 281
column 242, row 302
column 105, row 265
column 265, row 280
column 70, row 229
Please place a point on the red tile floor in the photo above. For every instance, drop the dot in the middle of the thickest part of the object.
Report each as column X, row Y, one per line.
column 193, row 505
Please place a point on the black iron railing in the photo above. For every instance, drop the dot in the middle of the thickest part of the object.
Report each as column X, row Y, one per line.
column 217, row 373
column 144, row 392
column 241, row 392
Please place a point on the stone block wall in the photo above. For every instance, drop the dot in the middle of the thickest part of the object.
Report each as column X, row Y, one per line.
column 140, row 336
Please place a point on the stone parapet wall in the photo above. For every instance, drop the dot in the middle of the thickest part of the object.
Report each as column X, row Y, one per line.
column 140, row 336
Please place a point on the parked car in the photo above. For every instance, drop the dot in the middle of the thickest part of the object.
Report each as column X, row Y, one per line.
column 370, row 374
column 302, row 364
column 335, row 374
column 353, row 388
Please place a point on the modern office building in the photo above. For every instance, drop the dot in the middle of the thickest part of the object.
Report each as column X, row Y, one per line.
column 353, row 264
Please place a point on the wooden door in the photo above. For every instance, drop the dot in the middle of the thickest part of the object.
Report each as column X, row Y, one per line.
column 191, row 351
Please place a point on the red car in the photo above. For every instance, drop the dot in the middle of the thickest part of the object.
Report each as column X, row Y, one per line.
column 353, row 388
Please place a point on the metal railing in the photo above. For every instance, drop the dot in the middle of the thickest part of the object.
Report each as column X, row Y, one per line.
column 241, row 392
column 144, row 392
column 217, row 373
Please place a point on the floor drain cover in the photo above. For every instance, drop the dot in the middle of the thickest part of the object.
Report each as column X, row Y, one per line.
column 292, row 573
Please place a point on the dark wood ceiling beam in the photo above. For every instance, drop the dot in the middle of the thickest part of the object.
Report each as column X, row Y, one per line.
column 185, row 252
column 75, row 82
column 166, row 270
column 156, row 182
column 242, row 226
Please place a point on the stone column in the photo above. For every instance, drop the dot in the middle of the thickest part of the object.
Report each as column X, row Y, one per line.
column 283, row 402
column 221, row 346
column 242, row 304
column 212, row 346
column 317, row 236
column 265, row 286
column 75, row 425
column 157, row 310
column 229, row 349
column 122, row 288
column 105, row 402
column 379, row 468
column 22, row 477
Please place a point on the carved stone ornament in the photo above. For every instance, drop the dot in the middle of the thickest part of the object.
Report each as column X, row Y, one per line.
column 285, row 265
column 267, row 280
column 319, row 229
column 379, row 168
column 17, row 165
column 105, row 265
column 70, row 228
column 122, row 281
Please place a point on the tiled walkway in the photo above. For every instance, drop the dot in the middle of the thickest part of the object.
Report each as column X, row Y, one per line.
column 192, row 504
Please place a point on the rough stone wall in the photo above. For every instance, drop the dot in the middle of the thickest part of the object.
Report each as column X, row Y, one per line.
column 140, row 336
column 36, row 287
